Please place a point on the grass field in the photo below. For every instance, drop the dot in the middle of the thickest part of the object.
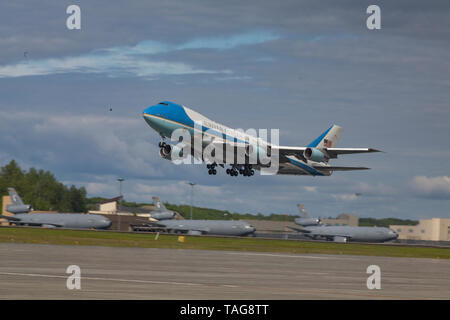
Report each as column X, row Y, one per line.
column 116, row 239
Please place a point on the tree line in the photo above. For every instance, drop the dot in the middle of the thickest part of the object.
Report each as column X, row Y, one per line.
column 41, row 189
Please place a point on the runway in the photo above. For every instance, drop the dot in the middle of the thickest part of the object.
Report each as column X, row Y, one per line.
column 38, row 272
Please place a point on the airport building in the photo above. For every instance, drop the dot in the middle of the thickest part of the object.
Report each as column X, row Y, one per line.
column 112, row 206
column 6, row 200
column 344, row 219
column 435, row 229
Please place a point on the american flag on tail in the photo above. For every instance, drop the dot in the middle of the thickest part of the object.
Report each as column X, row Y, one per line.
column 327, row 143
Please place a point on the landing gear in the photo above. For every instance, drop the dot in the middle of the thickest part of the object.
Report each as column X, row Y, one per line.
column 232, row 172
column 212, row 168
column 165, row 150
column 247, row 171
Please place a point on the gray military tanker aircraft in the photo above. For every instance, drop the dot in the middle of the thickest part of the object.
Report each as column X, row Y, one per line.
column 209, row 227
column 312, row 228
column 22, row 217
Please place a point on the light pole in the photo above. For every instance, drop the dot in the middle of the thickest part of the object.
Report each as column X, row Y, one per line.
column 120, row 200
column 192, row 194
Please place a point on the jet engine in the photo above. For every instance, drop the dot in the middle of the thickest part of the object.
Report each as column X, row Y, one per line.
column 163, row 215
column 24, row 208
column 306, row 222
column 167, row 151
column 314, row 154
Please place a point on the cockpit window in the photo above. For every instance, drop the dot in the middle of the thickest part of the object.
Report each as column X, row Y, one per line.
column 166, row 104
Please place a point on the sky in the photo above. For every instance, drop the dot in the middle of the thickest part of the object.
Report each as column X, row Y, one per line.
column 296, row 66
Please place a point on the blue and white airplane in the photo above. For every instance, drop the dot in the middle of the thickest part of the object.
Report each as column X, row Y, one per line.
column 166, row 117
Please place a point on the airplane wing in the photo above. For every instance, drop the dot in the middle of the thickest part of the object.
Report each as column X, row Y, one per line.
column 310, row 233
column 332, row 152
column 9, row 218
column 192, row 231
column 330, row 168
column 18, row 221
column 300, row 230
column 189, row 230
column 287, row 151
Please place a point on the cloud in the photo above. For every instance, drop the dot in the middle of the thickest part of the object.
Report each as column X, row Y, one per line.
column 249, row 38
column 377, row 190
column 135, row 61
column 310, row 188
column 345, row 197
column 97, row 188
column 232, row 78
column 86, row 144
column 433, row 187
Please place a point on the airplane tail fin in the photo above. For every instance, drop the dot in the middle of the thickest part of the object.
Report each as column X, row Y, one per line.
column 303, row 212
column 15, row 198
column 17, row 205
column 327, row 139
column 159, row 206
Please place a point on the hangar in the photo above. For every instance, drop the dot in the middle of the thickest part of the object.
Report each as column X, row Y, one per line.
column 434, row 229
column 344, row 219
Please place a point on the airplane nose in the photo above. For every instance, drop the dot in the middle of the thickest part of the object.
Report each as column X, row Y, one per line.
column 394, row 234
column 148, row 118
column 107, row 224
column 152, row 110
column 148, row 112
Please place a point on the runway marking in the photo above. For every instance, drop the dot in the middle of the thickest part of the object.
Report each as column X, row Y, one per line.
column 285, row 255
column 316, row 273
column 106, row 279
column 314, row 291
column 230, row 286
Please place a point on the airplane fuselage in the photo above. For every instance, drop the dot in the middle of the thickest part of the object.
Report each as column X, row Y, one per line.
column 245, row 152
column 211, row 227
column 359, row 234
column 63, row 220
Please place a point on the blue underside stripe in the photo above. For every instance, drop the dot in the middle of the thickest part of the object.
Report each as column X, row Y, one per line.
column 306, row 167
